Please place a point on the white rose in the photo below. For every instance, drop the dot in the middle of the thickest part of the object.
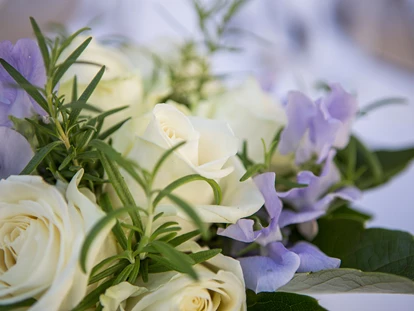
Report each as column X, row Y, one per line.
column 120, row 85
column 210, row 151
column 41, row 232
column 220, row 287
column 251, row 113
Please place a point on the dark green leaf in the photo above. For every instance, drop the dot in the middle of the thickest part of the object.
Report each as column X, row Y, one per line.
column 42, row 43
column 252, row 170
column 119, row 234
column 184, row 238
column 370, row 250
column 80, row 105
column 280, row 301
column 178, row 260
column 18, row 305
column 93, row 297
column 86, row 94
column 69, row 61
column 38, row 157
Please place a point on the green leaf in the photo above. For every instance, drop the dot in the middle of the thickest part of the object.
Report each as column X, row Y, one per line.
column 24, row 84
column 114, row 155
column 184, row 238
column 42, row 43
column 86, row 94
column 186, row 179
column 280, row 301
column 106, row 221
column 108, row 272
column 178, row 260
column 348, row 281
column 252, row 170
column 119, row 234
column 80, row 105
column 112, row 129
column 38, row 157
column 375, row 167
column 344, row 211
column 370, row 250
column 381, row 103
column 69, row 40
column 189, row 210
column 18, row 305
column 198, row 257
column 69, row 61
column 93, row 297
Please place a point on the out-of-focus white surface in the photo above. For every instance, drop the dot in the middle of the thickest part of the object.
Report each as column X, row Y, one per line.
column 330, row 56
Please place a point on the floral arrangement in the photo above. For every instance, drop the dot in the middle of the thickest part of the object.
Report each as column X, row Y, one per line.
column 153, row 185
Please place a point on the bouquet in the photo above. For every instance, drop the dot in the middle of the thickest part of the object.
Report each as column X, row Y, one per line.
column 135, row 179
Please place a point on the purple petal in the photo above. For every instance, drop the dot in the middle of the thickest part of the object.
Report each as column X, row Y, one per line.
column 322, row 131
column 312, row 259
column 299, row 110
column 267, row 274
column 14, row 154
column 26, row 58
column 289, row 217
column 266, row 184
column 348, row 193
column 306, row 198
column 343, row 107
column 241, row 231
column 270, row 234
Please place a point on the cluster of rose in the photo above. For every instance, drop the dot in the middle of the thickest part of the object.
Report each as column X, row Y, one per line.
column 148, row 184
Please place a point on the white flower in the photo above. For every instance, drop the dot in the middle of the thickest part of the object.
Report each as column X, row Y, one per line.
column 210, row 151
column 220, row 287
column 120, row 85
column 41, row 233
column 251, row 113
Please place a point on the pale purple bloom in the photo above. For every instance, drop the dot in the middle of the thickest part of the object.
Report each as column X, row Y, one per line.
column 313, row 196
column 278, row 264
column 314, row 199
column 315, row 127
column 15, row 152
column 312, row 259
column 26, row 58
column 268, row 273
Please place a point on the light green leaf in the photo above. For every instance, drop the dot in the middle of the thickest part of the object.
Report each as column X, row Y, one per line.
column 348, row 281
column 252, row 170
column 164, row 157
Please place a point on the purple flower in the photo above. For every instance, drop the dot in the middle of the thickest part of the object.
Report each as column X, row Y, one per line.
column 26, row 58
column 315, row 127
column 277, row 265
column 314, row 199
column 14, row 154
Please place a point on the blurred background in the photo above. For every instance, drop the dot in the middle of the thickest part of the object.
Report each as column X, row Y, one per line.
column 368, row 46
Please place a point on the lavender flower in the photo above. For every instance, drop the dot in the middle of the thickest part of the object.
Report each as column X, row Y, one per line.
column 315, row 197
column 14, row 154
column 26, row 58
column 315, row 127
column 278, row 264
